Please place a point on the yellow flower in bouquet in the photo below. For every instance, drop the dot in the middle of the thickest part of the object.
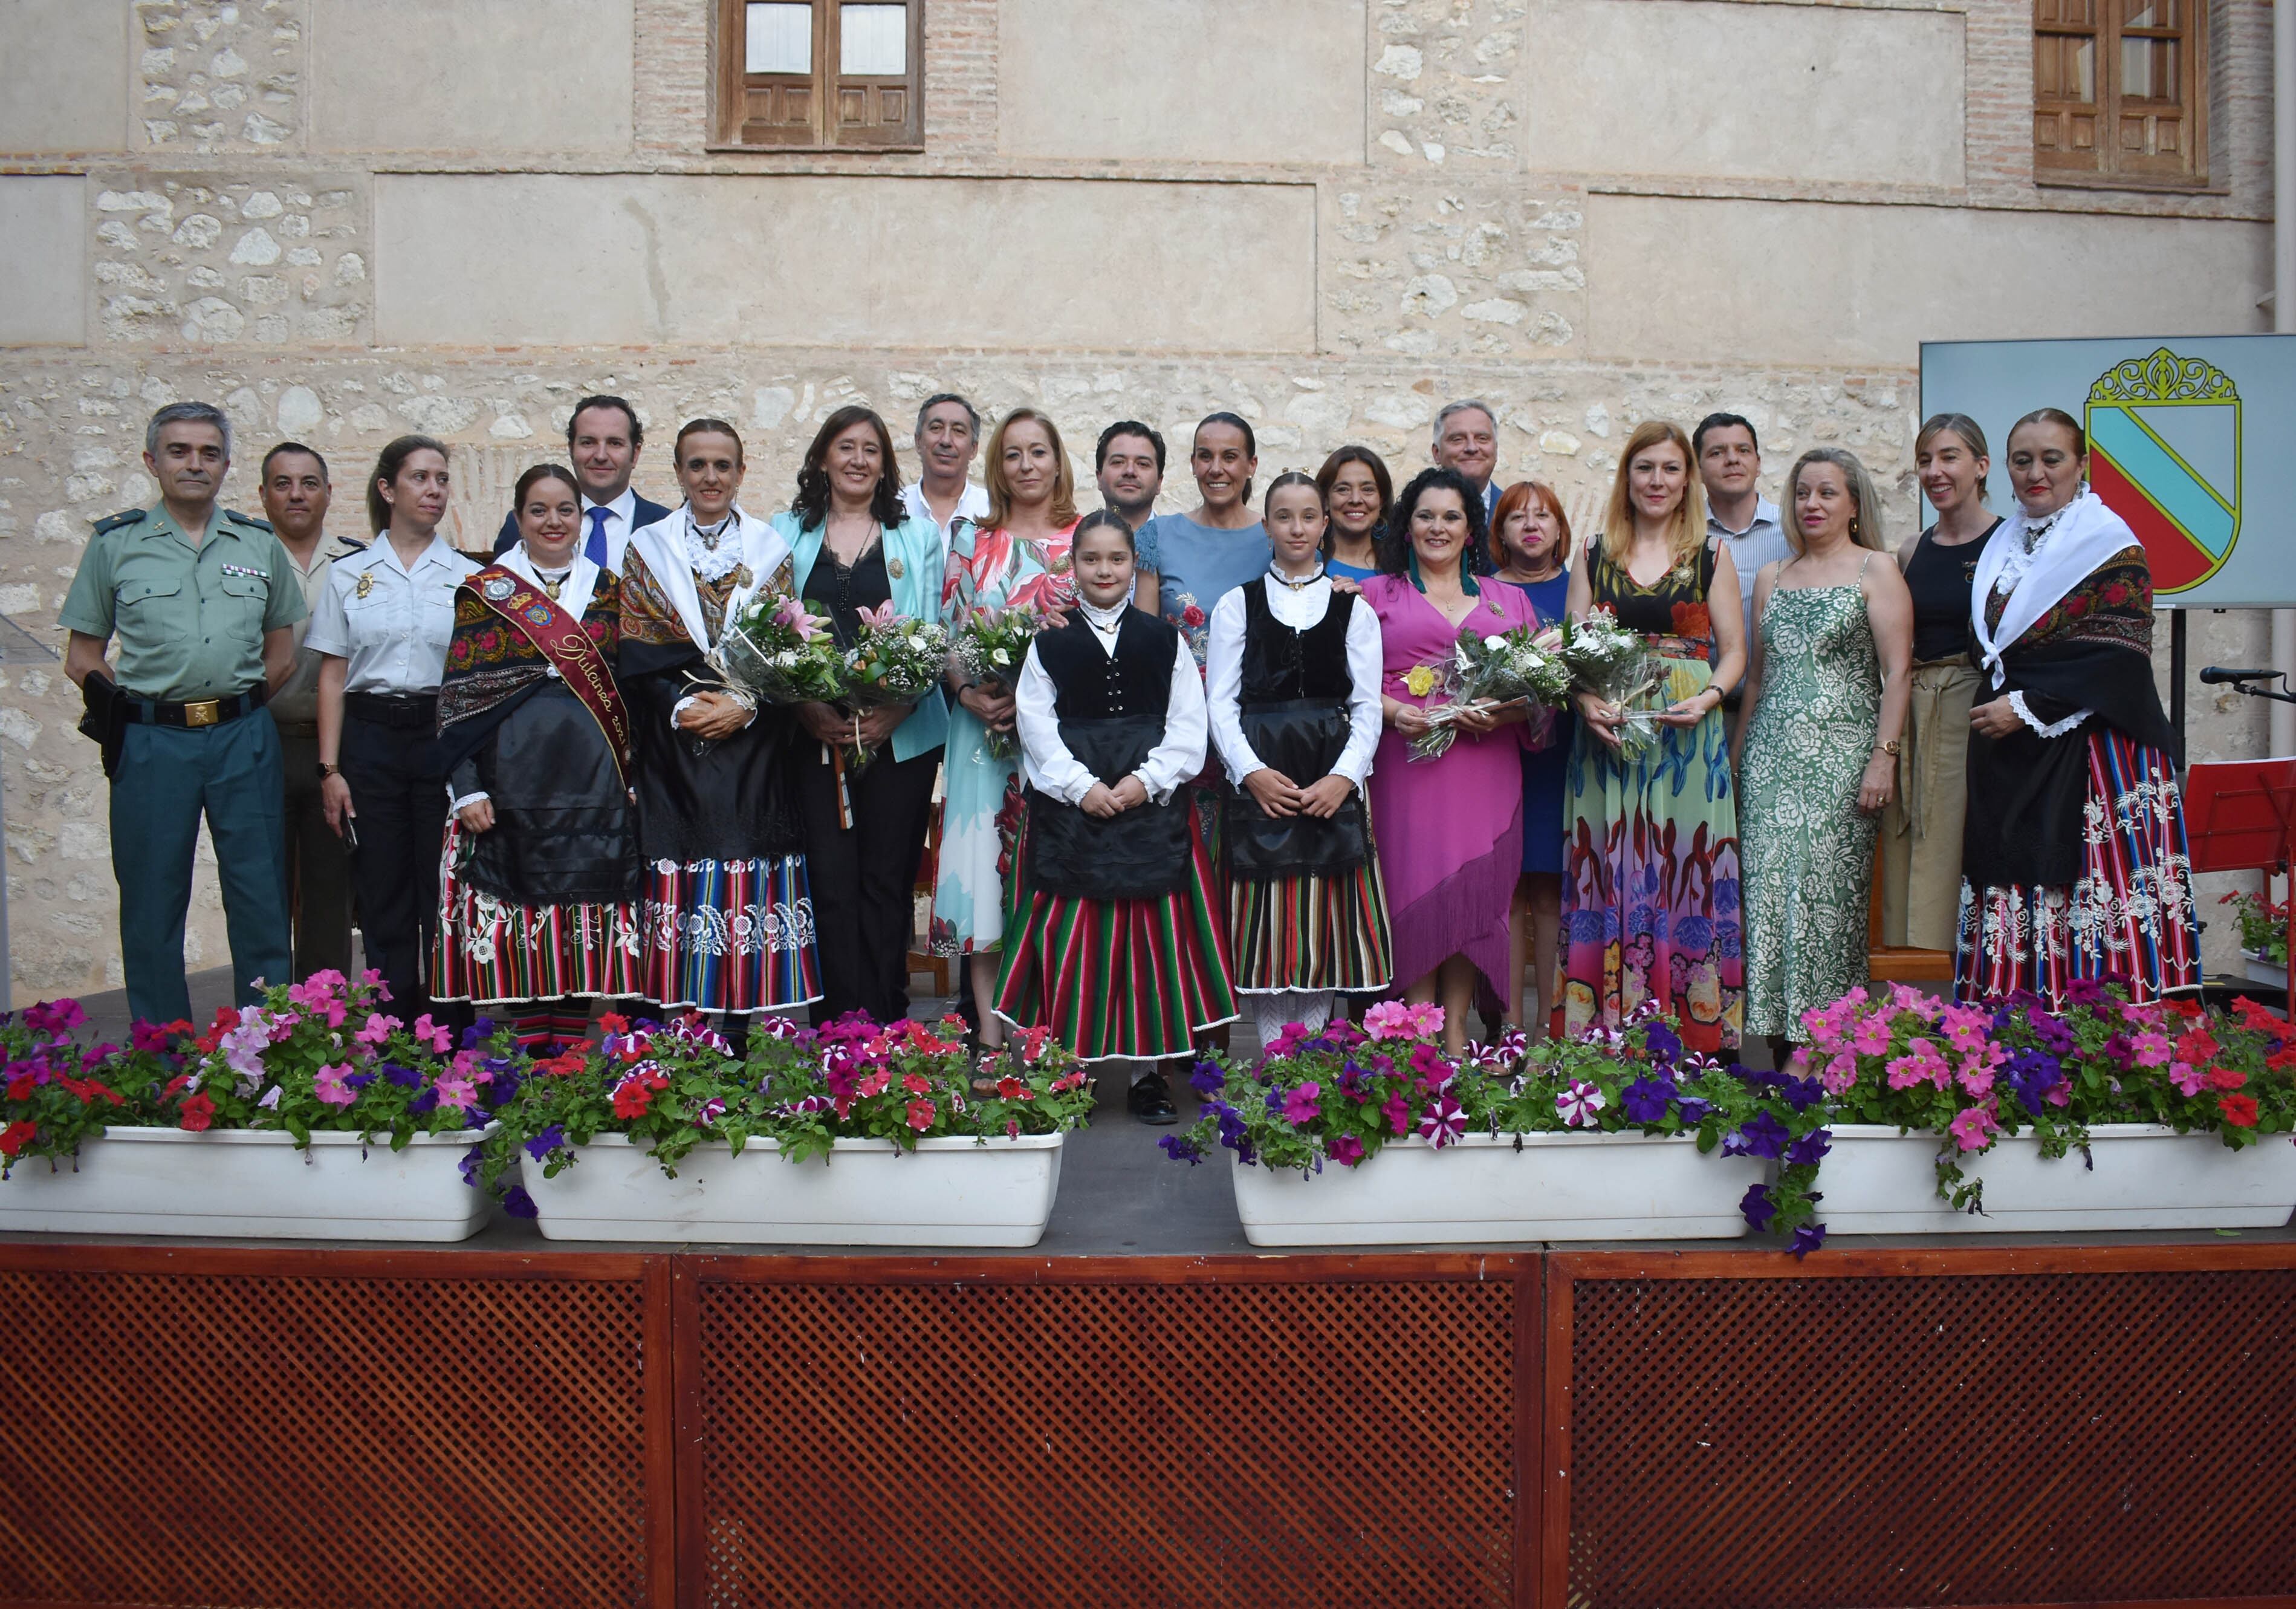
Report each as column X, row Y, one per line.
column 1420, row 680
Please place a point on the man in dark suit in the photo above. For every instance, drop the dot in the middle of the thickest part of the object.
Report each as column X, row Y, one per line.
column 602, row 440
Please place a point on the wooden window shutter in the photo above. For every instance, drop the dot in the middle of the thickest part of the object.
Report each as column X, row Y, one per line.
column 2119, row 91
column 819, row 74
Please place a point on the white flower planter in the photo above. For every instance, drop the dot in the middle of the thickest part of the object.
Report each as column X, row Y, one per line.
column 2261, row 971
column 1557, row 1187
column 1878, row 1181
column 253, row 1183
column 867, row 1193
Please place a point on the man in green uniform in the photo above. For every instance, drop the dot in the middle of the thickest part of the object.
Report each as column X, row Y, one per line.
column 202, row 600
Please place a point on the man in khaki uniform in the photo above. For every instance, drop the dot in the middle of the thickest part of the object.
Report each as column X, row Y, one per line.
column 295, row 496
column 202, row 600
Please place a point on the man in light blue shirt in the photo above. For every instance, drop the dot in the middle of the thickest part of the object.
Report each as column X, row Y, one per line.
column 1737, row 515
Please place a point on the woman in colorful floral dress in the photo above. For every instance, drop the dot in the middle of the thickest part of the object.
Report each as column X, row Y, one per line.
column 1650, row 873
column 2074, row 866
column 1017, row 557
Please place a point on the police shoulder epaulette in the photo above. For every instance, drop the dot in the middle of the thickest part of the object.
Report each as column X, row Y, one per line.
column 126, row 516
column 233, row 513
column 347, row 545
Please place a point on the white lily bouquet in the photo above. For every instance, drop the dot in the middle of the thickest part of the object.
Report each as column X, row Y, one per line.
column 1617, row 666
column 1484, row 672
column 894, row 662
column 990, row 649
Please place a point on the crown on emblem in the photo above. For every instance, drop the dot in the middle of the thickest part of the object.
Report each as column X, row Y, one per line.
column 2163, row 377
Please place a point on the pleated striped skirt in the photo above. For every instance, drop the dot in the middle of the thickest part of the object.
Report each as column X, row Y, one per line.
column 492, row 952
column 1311, row 932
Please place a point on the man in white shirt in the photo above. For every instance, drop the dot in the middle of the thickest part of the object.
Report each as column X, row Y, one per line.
column 603, row 438
column 1467, row 440
column 1729, row 464
column 948, row 436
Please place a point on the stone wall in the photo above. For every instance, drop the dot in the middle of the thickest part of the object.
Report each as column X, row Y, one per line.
column 1328, row 215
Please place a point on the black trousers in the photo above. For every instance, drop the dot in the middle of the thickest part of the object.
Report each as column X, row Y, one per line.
column 863, row 878
column 398, row 787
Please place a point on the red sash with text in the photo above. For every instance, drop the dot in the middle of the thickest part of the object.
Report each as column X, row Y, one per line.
column 558, row 637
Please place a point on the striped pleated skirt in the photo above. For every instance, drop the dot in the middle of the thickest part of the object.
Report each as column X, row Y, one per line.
column 1311, row 932
column 2129, row 919
column 1119, row 979
column 492, row 952
column 729, row 935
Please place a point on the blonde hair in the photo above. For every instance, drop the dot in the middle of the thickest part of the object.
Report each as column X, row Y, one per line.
column 1864, row 521
column 1687, row 531
column 1000, row 490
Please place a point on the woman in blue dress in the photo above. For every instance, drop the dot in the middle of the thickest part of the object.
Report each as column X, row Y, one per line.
column 1530, row 544
column 1188, row 562
column 1357, row 490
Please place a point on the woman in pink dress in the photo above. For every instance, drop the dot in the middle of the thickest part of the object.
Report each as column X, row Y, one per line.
column 1449, row 829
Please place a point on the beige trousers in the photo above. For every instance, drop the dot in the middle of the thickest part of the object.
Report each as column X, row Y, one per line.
column 1921, row 830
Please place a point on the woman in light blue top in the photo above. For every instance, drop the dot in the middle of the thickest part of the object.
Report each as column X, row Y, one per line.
column 854, row 546
column 1188, row 562
column 1357, row 490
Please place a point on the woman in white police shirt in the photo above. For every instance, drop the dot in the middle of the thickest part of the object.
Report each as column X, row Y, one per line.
column 383, row 626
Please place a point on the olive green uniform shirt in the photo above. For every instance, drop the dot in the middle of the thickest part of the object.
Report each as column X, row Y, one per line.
column 190, row 619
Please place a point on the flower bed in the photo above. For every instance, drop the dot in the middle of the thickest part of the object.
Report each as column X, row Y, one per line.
column 667, row 1137
column 317, row 1114
column 1623, row 1135
column 2169, row 1107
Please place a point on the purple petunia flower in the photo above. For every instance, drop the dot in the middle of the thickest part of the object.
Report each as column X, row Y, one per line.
column 478, row 1033
column 1757, row 1207
column 472, row 1159
column 424, row 1101
column 357, row 1081
column 1807, row 1239
column 1805, row 1151
column 1802, row 1094
column 405, row 1078
column 1662, row 1042
column 1763, row 1136
column 1207, row 1081
column 549, row 1140
column 1693, row 1109
column 1645, row 1101
column 1180, row 1148
column 518, row 1203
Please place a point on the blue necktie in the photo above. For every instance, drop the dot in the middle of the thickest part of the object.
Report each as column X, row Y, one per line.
column 595, row 549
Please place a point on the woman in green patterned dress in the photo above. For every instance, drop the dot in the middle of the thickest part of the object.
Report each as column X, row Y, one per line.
column 1825, row 702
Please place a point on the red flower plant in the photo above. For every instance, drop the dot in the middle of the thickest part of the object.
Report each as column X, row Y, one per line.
column 2239, row 1110
column 15, row 1136
column 199, row 1113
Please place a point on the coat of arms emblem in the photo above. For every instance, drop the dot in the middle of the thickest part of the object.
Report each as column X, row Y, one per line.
column 2164, row 454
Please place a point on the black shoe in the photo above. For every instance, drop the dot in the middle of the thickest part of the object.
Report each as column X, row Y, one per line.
column 1151, row 1102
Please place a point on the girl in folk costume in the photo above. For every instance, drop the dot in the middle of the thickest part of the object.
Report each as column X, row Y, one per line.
column 1017, row 557
column 1292, row 674
column 2074, row 863
column 728, row 922
column 1115, row 944
column 541, row 864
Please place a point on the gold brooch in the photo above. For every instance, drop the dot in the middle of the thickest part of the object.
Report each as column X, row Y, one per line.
column 893, row 568
column 741, row 577
column 366, row 582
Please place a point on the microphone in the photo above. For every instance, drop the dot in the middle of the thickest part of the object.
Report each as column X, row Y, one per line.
column 2216, row 674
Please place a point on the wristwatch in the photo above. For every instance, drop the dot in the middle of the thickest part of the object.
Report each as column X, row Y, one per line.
column 326, row 770
column 1889, row 748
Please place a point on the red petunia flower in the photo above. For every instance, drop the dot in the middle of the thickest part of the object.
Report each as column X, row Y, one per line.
column 914, row 1085
column 20, row 1087
column 199, row 1113
column 15, row 1136
column 2226, row 1078
column 2239, row 1110
column 921, row 1115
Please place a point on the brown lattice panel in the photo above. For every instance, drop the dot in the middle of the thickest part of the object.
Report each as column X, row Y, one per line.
column 308, row 1428
column 1308, row 1430
column 1959, row 1428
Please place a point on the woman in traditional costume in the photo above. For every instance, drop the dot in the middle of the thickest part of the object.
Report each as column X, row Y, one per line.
column 2074, row 865
column 1117, row 946
column 1451, row 846
column 1017, row 557
column 729, row 923
column 1650, row 859
column 1292, row 681
column 542, row 861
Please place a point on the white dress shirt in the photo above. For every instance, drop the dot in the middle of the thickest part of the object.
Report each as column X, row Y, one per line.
column 1762, row 542
column 391, row 622
column 1301, row 611
column 1046, row 759
column 973, row 506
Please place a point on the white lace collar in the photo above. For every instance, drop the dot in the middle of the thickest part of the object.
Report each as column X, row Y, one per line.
column 712, row 557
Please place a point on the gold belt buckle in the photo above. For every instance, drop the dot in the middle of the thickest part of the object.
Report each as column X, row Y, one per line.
column 205, row 712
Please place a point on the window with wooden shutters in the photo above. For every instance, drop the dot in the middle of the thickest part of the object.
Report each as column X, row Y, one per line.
column 820, row 74
column 2120, row 92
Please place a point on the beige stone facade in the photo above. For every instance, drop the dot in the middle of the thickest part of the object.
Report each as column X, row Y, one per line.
column 344, row 220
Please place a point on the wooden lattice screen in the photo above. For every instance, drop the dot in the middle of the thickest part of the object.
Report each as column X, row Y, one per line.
column 1154, row 1431
column 1852, row 1436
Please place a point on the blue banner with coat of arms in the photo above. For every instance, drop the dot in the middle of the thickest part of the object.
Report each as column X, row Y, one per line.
column 2188, row 441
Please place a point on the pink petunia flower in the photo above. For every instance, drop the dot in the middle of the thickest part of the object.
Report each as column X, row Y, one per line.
column 2151, row 1050
column 2188, row 1079
column 1396, row 1112
column 1388, row 1020
column 1838, row 1074
column 1973, row 1128
column 376, row 1029
column 1580, row 1105
column 1966, row 1029
column 1346, row 1150
column 1871, row 1036
column 1921, row 1065
column 1303, row 1104
column 330, row 1087
column 1444, row 1121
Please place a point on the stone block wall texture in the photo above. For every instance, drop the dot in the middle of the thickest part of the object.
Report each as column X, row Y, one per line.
column 1331, row 216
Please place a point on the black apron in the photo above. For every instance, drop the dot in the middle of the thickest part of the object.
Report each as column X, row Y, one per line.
column 1293, row 709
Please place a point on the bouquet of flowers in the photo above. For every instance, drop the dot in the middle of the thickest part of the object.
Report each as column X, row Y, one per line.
column 894, row 662
column 1617, row 666
column 773, row 652
column 989, row 649
column 1483, row 671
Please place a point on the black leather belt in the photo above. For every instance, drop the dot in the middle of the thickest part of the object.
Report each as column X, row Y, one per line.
column 198, row 711
column 407, row 709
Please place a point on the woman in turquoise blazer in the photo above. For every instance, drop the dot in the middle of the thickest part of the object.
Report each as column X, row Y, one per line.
column 854, row 547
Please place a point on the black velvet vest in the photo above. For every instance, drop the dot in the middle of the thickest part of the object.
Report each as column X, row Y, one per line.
column 1111, row 711
column 1293, row 709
